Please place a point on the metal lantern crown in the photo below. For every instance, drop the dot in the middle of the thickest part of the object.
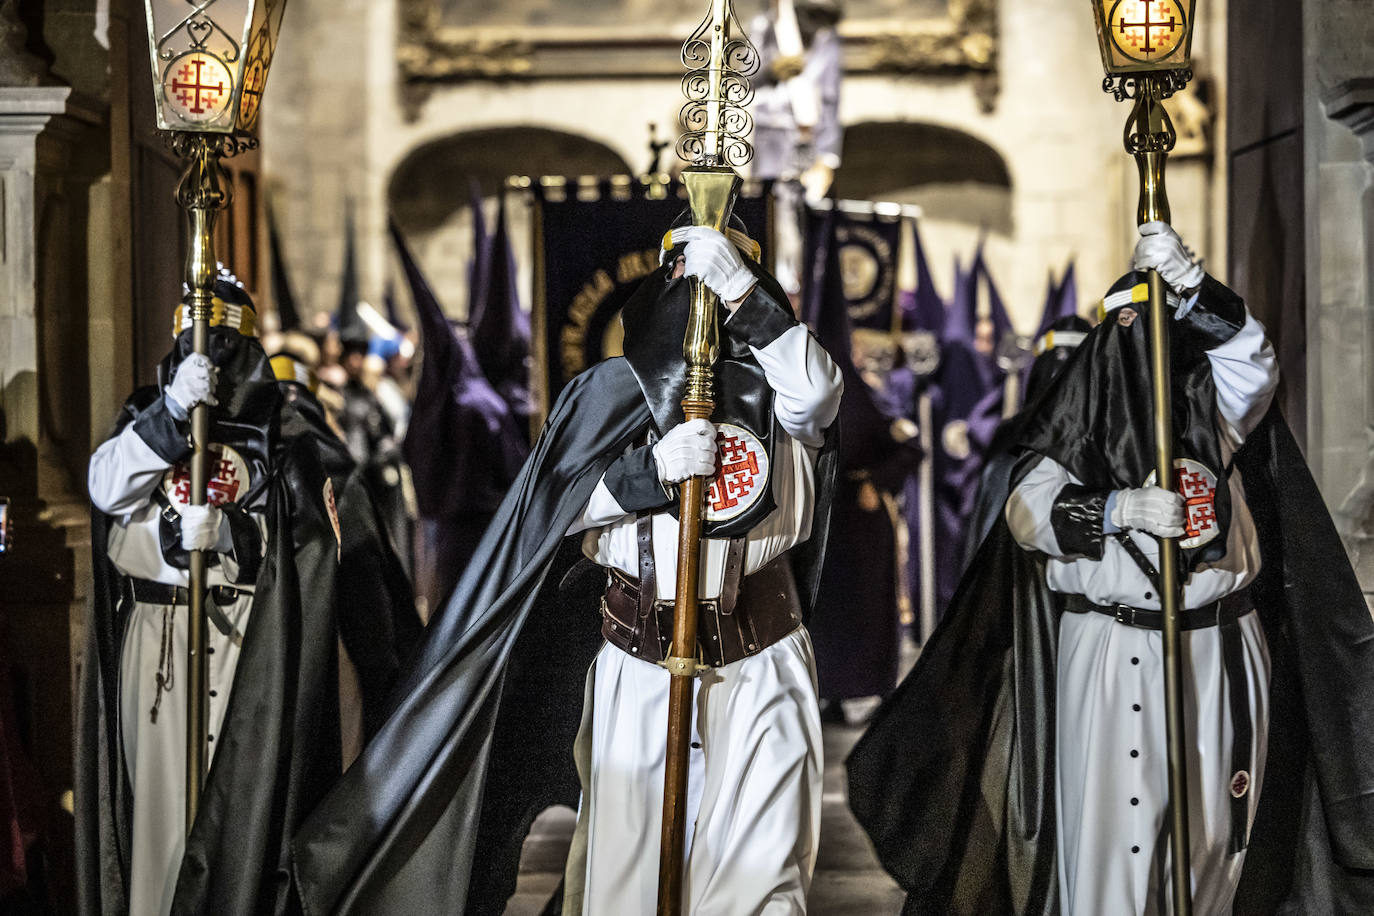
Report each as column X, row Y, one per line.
column 1144, row 36
column 210, row 60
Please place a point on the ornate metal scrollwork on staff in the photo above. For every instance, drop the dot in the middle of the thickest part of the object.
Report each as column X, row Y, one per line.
column 720, row 60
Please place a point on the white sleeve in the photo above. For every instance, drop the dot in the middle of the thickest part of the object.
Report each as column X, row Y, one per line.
column 123, row 473
column 1031, row 505
column 1246, row 373
column 806, row 381
column 602, row 510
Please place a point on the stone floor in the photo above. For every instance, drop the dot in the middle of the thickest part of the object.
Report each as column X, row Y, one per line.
column 848, row 882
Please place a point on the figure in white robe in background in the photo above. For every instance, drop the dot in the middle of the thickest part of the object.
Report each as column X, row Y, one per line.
column 137, row 481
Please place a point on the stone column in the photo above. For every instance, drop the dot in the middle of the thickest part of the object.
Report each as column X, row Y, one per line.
column 1351, row 103
column 44, row 392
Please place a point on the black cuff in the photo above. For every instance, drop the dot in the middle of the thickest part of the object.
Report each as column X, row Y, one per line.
column 761, row 318
column 1216, row 317
column 164, row 433
column 1077, row 519
column 633, row 481
column 247, row 543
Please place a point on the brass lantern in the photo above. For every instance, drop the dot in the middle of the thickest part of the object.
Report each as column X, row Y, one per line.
column 210, row 61
column 1144, row 36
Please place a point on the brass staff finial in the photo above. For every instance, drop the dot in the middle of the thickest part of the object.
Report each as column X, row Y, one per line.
column 719, row 59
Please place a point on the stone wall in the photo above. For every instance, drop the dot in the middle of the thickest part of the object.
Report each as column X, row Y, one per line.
column 339, row 120
column 1338, row 142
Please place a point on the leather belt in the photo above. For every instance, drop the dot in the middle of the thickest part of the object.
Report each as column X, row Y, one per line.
column 1225, row 615
column 752, row 613
column 146, row 591
column 1227, row 610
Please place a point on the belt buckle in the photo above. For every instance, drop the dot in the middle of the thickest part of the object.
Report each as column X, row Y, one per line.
column 1125, row 614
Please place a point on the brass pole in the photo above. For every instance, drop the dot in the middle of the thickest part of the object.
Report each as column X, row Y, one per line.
column 1149, row 137
column 203, row 192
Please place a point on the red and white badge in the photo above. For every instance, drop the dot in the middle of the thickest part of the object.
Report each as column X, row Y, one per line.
column 229, row 479
column 1198, row 487
column 741, row 473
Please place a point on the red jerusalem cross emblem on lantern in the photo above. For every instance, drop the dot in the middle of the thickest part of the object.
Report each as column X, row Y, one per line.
column 198, row 87
column 1147, row 30
column 741, row 472
column 1198, row 487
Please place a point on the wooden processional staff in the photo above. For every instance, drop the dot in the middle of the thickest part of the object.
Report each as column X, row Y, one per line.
column 719, row 61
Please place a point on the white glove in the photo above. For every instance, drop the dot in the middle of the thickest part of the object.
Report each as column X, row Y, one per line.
column 713, row 259
column 686, row 451
column 194, row 383
column 1161, row 249
column 1150, row 509
column 200, row 528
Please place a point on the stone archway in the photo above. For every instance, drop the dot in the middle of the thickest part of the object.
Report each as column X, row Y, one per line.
column 433, row 181
column 430, row 193
column 952, row 175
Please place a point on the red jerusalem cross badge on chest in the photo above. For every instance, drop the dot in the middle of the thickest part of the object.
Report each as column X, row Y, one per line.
column 1198, row 487
column 741, row 473
column 229, row 479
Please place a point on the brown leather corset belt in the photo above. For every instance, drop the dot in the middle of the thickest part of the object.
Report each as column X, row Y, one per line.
column 752, row 613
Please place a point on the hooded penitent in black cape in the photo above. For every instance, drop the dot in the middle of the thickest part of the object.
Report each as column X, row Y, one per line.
column 377, row 620
column 431, row 817
column 857, row 637
column 464, row 444
column 278, row 749
column 954, row 781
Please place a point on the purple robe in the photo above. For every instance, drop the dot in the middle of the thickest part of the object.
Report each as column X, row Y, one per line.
column 463, row 444
column 856, row 629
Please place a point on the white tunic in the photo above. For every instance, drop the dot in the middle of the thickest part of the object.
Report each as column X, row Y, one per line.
column 123, row 474
column 1111, row 783
column 754, row 782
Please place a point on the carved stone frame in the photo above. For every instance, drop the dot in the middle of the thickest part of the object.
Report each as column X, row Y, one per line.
column 429, row 53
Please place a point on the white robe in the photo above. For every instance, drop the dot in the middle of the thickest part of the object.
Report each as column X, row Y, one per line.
column 754, row 782
column 123, row 473
column 1111, row 774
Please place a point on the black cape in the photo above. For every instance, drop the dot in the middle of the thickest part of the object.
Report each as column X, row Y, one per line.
column 375, row 603
column 278, row 749
column 954, row 781
column 431, row 817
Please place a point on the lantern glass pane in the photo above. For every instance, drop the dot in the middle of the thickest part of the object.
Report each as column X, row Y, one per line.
column 198, row 55
column 1143, row 35
column 262, row 44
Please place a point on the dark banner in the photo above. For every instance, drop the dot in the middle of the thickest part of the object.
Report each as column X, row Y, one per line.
column 868, row 248
column 597, row 243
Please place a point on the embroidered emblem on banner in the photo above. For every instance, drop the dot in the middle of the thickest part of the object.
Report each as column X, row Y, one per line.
column 1240, row 784
column 333, row 510
column 741, row 473
column 1198, row 487
column 229, row 479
